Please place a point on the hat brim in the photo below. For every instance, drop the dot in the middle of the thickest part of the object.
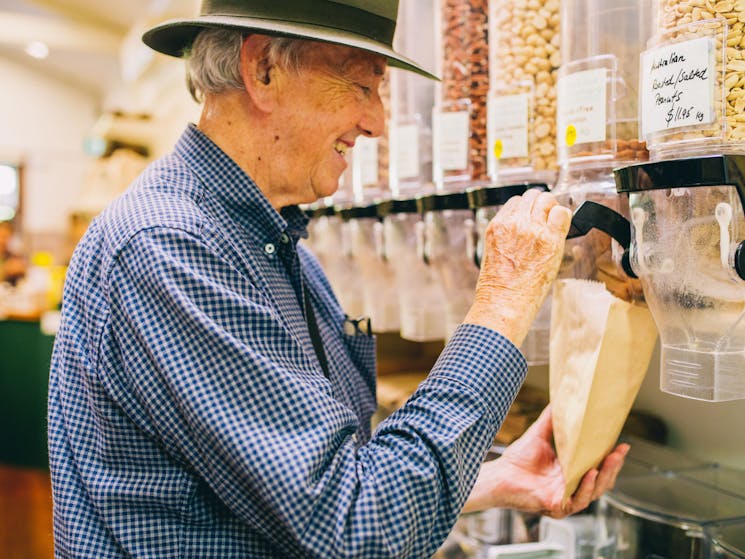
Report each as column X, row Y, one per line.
column 175, row 36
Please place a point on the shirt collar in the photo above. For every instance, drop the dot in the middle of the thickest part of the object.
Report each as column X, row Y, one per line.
column 239, row 194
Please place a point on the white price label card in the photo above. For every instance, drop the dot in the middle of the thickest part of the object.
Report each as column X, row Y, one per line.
column 451, row 133
column 678, row 85
column 581, row 107
column 407, row 151
column 366, row 157
column 508, row 125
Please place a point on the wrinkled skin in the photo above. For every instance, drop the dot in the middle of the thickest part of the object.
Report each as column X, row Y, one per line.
column 528, row 476
column 522, row 252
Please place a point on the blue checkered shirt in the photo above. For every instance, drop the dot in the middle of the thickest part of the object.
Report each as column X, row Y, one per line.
column 189, row 416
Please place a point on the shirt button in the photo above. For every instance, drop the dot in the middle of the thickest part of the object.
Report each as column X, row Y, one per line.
column 284, row 239
column 270, row 249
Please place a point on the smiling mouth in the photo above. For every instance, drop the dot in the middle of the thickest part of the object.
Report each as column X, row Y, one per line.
column 341, row 148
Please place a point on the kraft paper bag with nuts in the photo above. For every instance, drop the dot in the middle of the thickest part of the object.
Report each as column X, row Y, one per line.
column 599, row 353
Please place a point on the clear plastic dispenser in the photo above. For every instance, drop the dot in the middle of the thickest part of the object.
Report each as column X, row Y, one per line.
column 420, row 293
column 486, row 202
column 328, row 241
column 409, row 148
column 459, row 117
column 524, row 57
column 597, row 116
column 448, row 222
column 362, row 230
column 663, row 515
column 597, row 124
column 687, row 237
column 319, row 214
column 692, row 79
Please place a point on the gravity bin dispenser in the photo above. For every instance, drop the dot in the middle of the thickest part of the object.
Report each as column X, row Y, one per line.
column 687, row 245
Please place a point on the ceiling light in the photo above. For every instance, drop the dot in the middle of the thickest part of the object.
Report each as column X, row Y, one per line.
column 37, row 49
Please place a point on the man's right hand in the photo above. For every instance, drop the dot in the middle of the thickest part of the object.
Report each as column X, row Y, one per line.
column 523, row 248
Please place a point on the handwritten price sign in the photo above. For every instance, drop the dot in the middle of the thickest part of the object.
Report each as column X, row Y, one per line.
column 678, row 85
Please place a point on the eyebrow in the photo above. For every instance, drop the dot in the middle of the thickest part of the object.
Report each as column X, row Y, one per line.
column 377, row 67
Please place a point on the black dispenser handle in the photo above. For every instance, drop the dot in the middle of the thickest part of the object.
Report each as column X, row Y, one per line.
column 591, row 215
column 740, row 260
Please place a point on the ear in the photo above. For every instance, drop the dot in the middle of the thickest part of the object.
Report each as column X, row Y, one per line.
column 256, row 73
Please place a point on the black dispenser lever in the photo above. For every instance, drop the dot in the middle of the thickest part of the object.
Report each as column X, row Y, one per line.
column 591, row 215
column 740, row 260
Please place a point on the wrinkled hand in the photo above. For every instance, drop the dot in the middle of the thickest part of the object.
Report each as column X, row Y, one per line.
column 522, row 252
column 528, row 477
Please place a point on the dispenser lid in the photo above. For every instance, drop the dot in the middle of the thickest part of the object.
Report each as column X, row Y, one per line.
column 718, row 170
column 729, row 538
column 358, row 212
column 671, row 499
column 439, row 202
column 396, row 206
column 722, row 477
column 321, row 211
column 498, row 195
column 648, row 457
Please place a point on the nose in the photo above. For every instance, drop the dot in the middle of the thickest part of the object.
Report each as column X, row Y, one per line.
column 372, row 122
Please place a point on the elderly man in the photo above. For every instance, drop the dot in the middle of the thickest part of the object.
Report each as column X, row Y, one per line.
column 205, row 400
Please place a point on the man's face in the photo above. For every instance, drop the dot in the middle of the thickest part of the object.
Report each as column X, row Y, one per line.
column 323, row 110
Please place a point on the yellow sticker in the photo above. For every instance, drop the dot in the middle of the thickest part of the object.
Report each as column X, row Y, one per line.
column 498, row 149
column 571, row 135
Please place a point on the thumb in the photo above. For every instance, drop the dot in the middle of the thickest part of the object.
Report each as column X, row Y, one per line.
column 543, row 426
column 559, row 220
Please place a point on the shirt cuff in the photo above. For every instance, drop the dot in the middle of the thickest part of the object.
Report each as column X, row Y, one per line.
column 486, row 363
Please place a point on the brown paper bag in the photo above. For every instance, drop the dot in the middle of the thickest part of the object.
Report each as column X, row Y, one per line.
column 599, row 353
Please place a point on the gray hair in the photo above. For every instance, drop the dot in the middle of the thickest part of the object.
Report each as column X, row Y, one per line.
column 213, row 60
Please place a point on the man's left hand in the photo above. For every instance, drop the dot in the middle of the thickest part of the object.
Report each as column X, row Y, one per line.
column 528, row 476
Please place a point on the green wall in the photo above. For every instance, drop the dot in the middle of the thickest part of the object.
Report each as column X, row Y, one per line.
column 24, row 371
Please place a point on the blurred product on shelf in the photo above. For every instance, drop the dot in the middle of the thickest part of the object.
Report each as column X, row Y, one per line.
column 107, row 177
column 421, row 296
column 669, row 514
column 12, row 263
column 464, row 88
column 37, row 292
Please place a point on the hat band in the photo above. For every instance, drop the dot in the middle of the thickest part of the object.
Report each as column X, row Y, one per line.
column 324, row 13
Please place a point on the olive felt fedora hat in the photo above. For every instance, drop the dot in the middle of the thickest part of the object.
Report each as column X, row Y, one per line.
column 364, row 24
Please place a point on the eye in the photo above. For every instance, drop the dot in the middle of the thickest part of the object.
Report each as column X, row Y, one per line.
column 367, row 91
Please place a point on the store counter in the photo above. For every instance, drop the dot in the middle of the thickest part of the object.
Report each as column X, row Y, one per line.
column 25, row 353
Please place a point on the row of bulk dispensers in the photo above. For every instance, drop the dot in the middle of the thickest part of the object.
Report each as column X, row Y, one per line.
column 675, row 236
column 411, row 265
column 657, row 199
